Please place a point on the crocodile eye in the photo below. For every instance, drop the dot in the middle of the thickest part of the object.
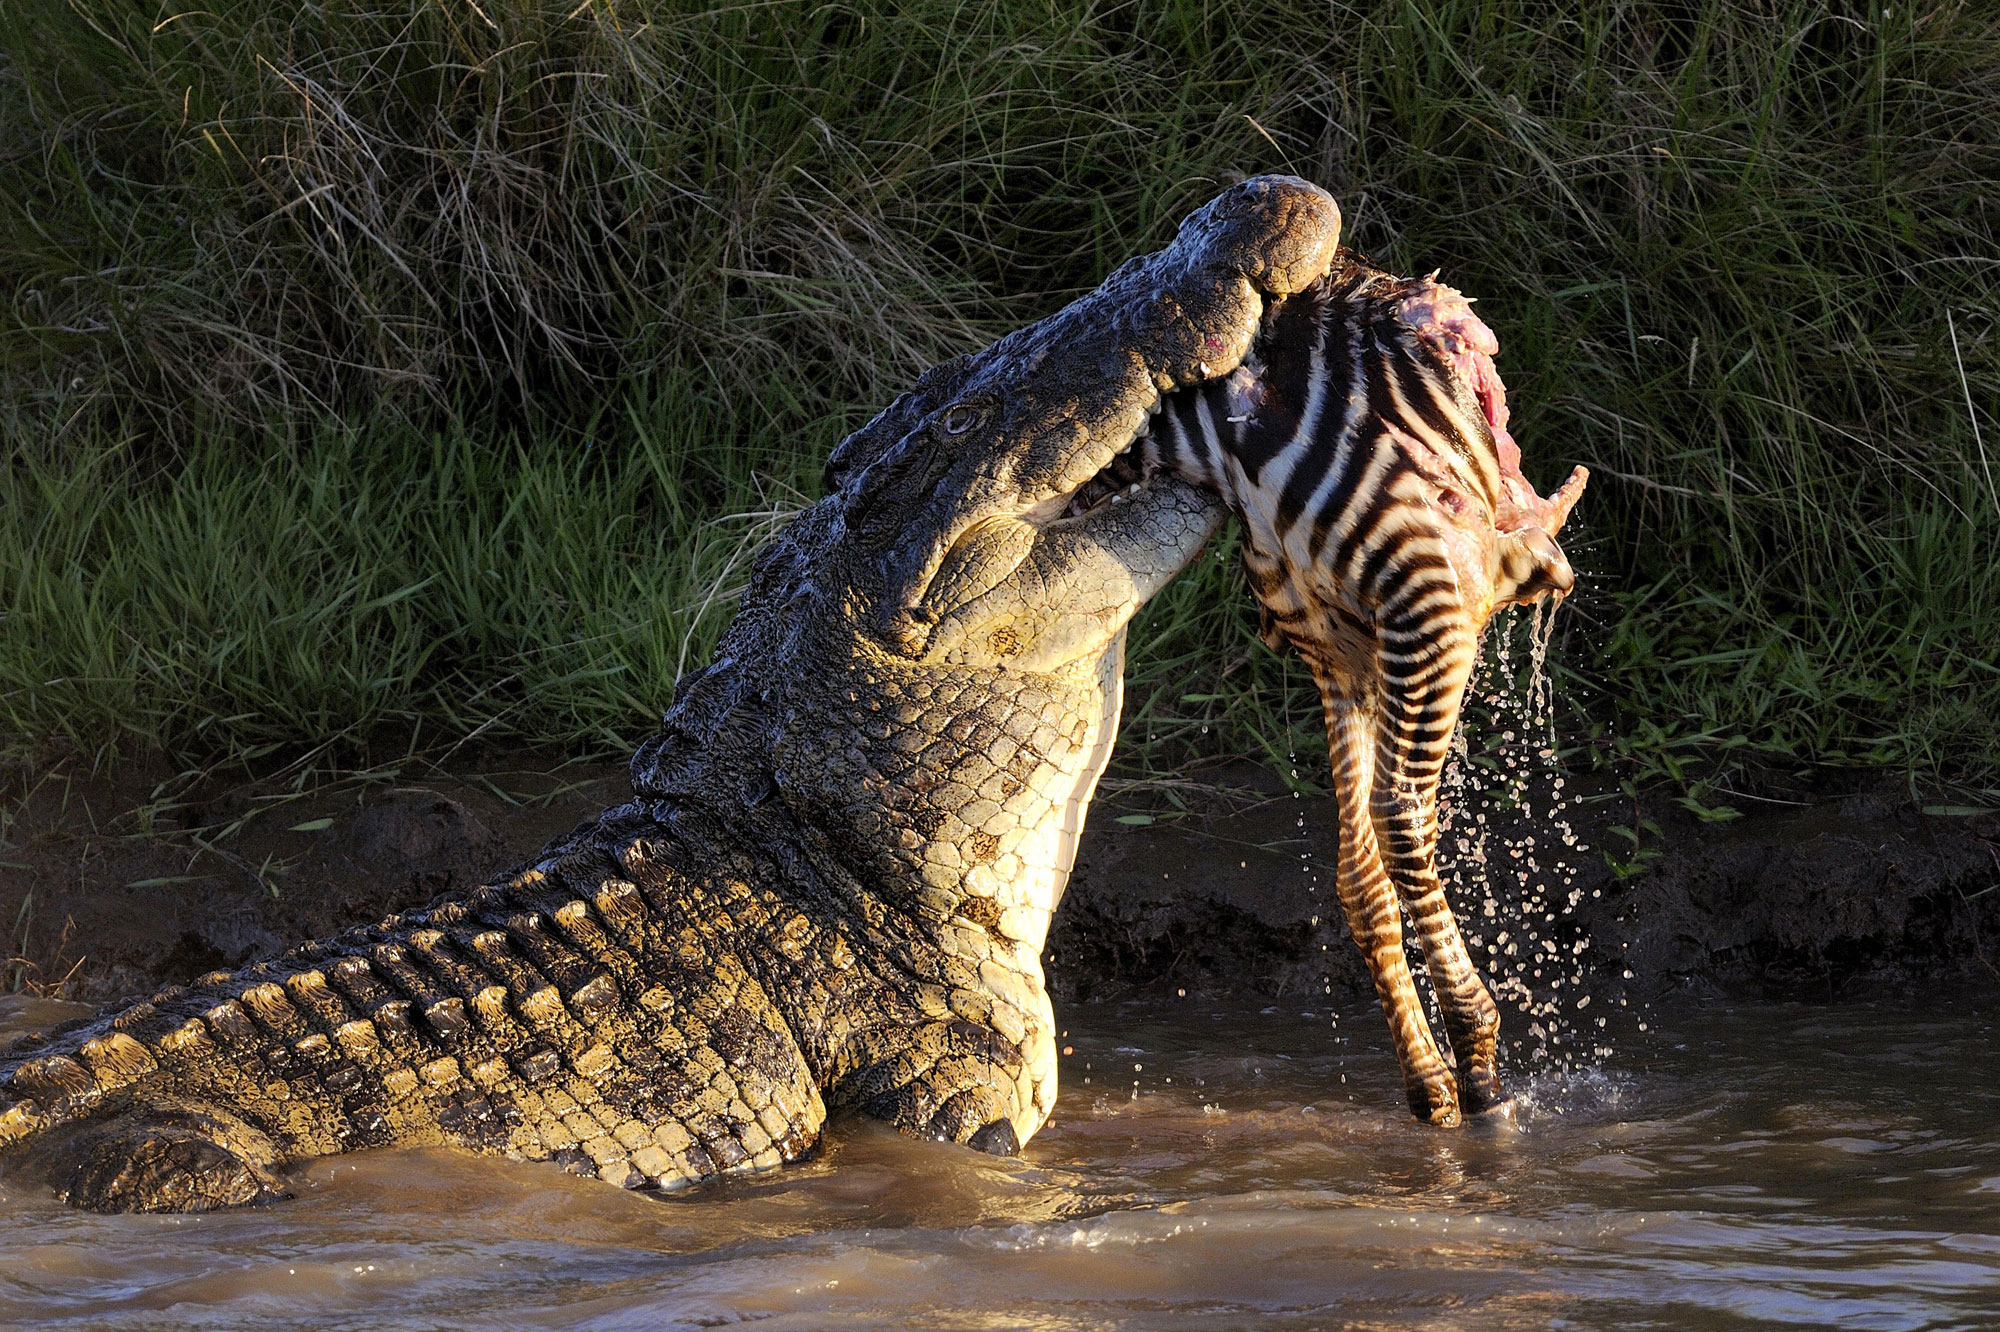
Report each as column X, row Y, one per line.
column 961, row 418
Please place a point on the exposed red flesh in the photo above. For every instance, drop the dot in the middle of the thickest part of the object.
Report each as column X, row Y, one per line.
column 1444, row 316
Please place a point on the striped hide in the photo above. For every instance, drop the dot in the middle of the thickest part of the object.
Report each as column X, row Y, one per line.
column 1364, row 447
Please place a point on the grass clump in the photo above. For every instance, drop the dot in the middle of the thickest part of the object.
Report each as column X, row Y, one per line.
column 372, row 582
column 1740, row 257
column 249, row 208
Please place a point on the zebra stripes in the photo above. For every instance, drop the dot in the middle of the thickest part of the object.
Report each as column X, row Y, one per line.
column 1364, row 448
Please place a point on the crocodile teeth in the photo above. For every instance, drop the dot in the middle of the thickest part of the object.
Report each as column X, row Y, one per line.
column 1121, row 478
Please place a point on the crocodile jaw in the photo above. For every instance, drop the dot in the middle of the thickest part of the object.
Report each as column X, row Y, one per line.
column 1074, row 583
column 940, row 484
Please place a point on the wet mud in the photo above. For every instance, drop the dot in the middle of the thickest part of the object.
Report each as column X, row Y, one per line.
column 114, row 884
column 1839, row 898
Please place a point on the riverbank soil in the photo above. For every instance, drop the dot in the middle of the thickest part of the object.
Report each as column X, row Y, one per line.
column 115, row 882
column 1837, row 898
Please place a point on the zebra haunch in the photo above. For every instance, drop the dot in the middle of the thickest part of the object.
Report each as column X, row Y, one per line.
column 1364, row 446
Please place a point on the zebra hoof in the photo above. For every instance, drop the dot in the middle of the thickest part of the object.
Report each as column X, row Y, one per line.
column 1480, row 1094
column 1435, row 1102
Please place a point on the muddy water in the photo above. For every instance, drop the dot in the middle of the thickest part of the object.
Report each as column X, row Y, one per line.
column 1731, row 1167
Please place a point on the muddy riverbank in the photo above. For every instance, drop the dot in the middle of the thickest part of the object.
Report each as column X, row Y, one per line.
column 112, row 885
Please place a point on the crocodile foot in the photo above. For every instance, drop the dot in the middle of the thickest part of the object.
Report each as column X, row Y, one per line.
column 171, row 1162
column 997, row 1138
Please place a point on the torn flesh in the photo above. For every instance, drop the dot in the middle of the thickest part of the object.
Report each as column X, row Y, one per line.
column 1443, row 315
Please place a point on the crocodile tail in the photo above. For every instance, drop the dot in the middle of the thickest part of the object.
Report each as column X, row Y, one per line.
column 43, row 1091
column 81, row 1068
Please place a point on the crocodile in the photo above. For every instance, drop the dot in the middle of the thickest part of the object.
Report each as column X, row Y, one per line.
column 830, row 890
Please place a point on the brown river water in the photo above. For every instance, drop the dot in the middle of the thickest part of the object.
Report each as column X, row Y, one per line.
column 1733, row 1166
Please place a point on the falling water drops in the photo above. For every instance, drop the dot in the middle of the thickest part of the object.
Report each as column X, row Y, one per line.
column 1508, row 851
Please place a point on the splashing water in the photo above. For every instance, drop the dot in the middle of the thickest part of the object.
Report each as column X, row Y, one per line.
column 1509, row 855
column 1737, row 1178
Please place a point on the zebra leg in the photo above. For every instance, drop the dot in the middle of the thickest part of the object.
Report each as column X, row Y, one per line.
column 1373, row 915
column 1424, row 669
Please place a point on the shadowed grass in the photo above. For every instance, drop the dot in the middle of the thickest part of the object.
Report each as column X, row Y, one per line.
column 369, row 581
column 1742, row 259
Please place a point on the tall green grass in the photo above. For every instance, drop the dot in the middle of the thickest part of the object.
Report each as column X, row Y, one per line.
column 365, row 585
column 1742, row 257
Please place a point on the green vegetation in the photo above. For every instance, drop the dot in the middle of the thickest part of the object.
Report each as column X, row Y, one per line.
column 415, row 365
column 363, row 583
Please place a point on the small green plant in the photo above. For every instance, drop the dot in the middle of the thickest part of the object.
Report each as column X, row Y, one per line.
column 1637, row 856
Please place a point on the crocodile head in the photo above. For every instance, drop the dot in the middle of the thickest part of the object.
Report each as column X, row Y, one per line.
column 923, row 680
column 965, row 541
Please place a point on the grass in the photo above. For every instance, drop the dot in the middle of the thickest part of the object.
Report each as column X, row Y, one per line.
column 356, row 585
column 402, row 367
